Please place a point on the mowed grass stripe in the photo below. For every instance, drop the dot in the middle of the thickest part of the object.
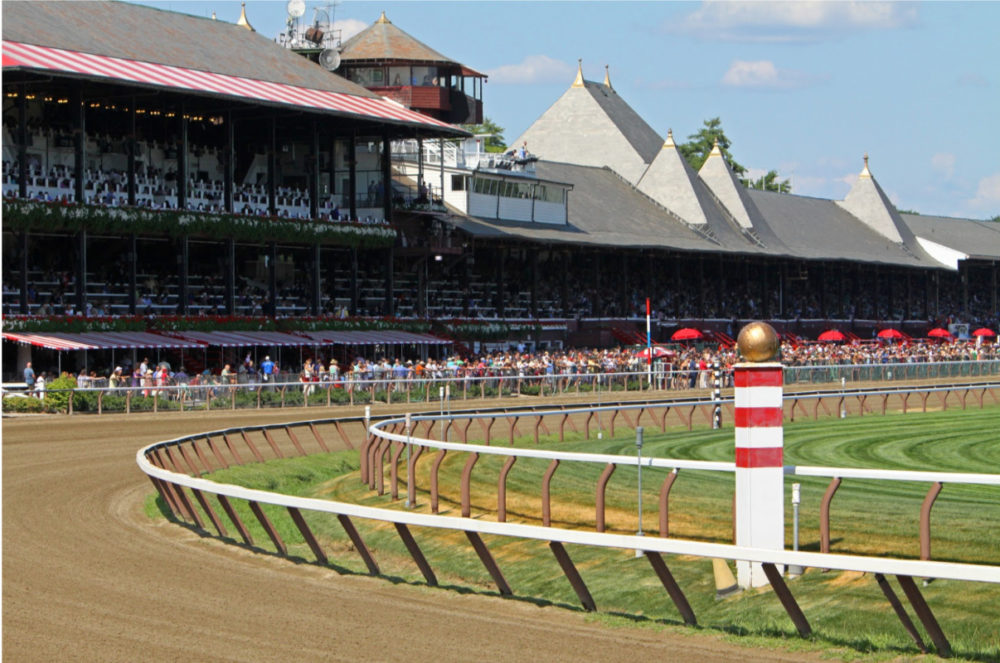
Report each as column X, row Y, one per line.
column 847, row 611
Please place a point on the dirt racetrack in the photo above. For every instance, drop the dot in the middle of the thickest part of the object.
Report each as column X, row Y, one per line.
column 88, row 577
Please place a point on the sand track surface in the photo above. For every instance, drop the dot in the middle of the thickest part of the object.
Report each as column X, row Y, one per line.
column 88, row 577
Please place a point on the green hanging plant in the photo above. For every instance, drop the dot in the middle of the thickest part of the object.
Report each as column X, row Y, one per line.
column 34, row 216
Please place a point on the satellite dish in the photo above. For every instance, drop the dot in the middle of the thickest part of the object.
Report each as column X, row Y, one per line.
column 296, row 8
column 329, row 59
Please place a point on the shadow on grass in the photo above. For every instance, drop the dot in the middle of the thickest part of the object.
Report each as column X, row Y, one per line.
column 857, row 645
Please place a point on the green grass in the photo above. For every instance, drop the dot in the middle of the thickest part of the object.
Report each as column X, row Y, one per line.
column 849, row 615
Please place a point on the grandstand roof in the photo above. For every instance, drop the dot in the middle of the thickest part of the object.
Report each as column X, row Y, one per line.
column 815, row 228
column 139, row 45
column 591, row 125
column 382, row 41
column 976, row 239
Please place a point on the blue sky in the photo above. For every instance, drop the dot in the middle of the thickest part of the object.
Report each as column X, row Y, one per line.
column 804, row 88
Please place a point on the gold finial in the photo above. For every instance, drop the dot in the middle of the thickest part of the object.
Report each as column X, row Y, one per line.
column 213, row 16
column 669, row 142
column 243, row 22
column 579, row 73
column 866, row 172
column 607, row 77
column 716, row 150
column 758, row 342
column 383, row 18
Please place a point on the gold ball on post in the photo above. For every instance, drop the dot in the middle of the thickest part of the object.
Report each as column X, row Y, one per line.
column 758, row 342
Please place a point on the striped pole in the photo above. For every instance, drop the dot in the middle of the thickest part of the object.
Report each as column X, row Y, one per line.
column 760, row 510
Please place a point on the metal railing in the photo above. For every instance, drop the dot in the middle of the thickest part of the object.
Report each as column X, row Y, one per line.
column 246, row 392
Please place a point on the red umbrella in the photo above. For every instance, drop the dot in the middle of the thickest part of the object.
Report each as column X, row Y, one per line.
column 832, row 335
column 891, row 333
column 658, row 351
column 686, row 334
column 984, row 331
column 940, row 332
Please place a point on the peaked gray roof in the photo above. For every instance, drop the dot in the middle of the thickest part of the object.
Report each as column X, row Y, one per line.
column 814, row 228
column 868, row 202
column 976, row 239
column 734, row 199
column 591, row 125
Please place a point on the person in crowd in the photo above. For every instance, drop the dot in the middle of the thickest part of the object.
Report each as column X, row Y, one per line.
column 29, row 376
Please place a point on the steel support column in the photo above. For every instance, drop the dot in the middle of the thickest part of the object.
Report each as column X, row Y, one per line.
column 230, row 276
column 316, row 280
column 22, row 140
column 133, row 145
column 182, row 162
column 229, row 164
column 22, row 298
column 272, row 170
column 79, row 149
column 132, row 256
column 81, row 271
column 183, row 264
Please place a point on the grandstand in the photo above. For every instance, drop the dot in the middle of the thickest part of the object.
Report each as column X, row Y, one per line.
column 194, row 167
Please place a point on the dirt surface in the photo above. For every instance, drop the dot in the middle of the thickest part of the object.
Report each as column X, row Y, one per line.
column 88, row 577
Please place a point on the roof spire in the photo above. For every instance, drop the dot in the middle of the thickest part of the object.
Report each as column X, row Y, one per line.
column 383, row 18
column 607, row 77
column 243, row 22
column 866, row 172
column 716, row 150
column 669, row 142
column 579, row 73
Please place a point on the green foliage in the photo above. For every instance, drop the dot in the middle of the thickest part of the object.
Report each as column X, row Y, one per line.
column 495, row 143
column 700, row 144
column 769, row 182
column 22, row 404
column 41, row 216
column 57, row 393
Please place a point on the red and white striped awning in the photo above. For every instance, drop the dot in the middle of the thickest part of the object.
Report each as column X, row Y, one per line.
column 100, row 340
column 376, row 338
column 241, row 339
column 30, row 56
column 49, row 341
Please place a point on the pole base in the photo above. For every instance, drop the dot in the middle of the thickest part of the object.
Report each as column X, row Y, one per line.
column 725, row 581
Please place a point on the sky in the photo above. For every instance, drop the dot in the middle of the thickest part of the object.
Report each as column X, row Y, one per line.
column 805, row 88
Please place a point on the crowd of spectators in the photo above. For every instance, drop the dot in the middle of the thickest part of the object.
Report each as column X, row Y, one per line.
column 684, row 367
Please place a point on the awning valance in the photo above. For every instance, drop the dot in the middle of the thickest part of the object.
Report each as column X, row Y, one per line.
column 100, row 340
column 380, row 337
column 31, row 56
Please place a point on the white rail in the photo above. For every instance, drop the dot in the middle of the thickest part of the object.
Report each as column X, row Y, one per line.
column 912, row 568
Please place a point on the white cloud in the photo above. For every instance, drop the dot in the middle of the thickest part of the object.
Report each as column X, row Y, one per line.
column 533, row 69
column 988, row 194
column 349, row 27
column 792, row 21
column 944, row 164
column 762, row 74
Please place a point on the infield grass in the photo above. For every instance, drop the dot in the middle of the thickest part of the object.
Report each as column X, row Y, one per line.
column 848, row 613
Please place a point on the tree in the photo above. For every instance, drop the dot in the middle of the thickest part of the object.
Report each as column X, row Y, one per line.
column 699, row 145
column 770, row 182
column 995, row 219
column 495, row 143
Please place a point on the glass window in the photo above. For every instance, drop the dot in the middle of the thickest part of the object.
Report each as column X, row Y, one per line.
column 425, row 76
column 399, row 76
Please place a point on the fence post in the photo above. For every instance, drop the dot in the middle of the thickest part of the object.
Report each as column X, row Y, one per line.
column 759, row 506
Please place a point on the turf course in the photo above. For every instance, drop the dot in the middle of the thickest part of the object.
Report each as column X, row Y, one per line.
column 849, row 615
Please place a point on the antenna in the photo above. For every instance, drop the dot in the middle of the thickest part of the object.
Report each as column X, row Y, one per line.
column 329, row 59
